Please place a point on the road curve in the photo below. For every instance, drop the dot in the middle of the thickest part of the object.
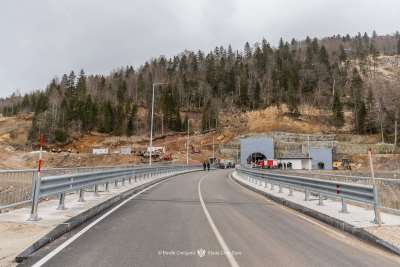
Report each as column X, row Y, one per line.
column 168, row 226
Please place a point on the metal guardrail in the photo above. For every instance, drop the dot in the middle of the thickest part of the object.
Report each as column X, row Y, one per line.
column 61, row 184
column 338, row 190
column 16, row 185
column 342, row 177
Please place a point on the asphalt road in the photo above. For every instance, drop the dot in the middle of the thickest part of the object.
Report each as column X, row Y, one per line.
column 168, row 226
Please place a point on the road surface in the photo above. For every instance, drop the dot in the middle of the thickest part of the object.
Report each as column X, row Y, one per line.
column 190, row 220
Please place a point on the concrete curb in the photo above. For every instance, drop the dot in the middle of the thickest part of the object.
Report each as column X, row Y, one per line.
column 79, row 219
column 339, row 224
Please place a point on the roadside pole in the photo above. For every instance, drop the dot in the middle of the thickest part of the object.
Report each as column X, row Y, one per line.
column 187, row 144
column 151, row 123
column 36, row 184
column 151, row 127
column 377, row 211
column 309, row 160
column 213, row 148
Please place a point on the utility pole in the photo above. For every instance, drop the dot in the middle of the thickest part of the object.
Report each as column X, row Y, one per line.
column 162, row 124
column 151, row 123
column 309, row 158
column 395, row 131
column 237, row 156
column 187, row 143
column 376, row 196
column 213, row 149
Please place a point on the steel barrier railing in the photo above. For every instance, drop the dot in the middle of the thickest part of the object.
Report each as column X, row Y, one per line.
column 16, row 185
column 338, row 190
column 60, row 185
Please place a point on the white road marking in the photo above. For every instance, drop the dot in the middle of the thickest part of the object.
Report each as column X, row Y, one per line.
column 87, row 228
column 228, row 253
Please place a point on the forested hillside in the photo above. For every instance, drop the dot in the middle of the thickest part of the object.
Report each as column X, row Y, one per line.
column 336, row 73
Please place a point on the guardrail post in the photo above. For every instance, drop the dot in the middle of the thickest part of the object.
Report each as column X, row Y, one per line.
column 135, row 178
column 35, row 197
column 280, row 188
column 272, row 185
column 290, row 191
column 306, row 195
column 320, row 200
column 265, row 183
column 123, row 181
column 130, row 179
column 116, row 183
column 61, row 202
column 344, row 207
column 81, row 195
column 96, row 190
column 107, row 187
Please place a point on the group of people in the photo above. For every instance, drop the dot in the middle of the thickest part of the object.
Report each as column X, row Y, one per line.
column 206, row 165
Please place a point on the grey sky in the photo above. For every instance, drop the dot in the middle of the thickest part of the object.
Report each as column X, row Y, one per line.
column 41, row 39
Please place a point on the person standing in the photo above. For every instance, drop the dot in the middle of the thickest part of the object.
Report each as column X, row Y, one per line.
column 208, row 166
column 204, row 165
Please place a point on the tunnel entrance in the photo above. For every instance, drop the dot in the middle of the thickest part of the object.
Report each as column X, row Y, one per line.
column 256, row 157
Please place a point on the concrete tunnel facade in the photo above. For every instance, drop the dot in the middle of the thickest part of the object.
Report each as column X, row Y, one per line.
column 250, row 145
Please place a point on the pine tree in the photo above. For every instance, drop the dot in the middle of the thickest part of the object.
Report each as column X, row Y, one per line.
column 121, row 92
column 177, row 121
column 119, row 121
column 42, row 103
column 292, row 99
column 357, row 101
column 205, row 118
column 323, row 56
column 361, row 117
column 211, row 72
column 71, row 80
column 243, row 90
column 108, row 118
column 130, row 127
column 185, row 122
column 337, row 110
column 257, row 95
column 370, row 124
column 247, row 50
column 315, row 46
column 259, row 60
column 81, row 84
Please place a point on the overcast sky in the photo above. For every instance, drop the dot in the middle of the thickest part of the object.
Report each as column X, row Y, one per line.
column 41, row 39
